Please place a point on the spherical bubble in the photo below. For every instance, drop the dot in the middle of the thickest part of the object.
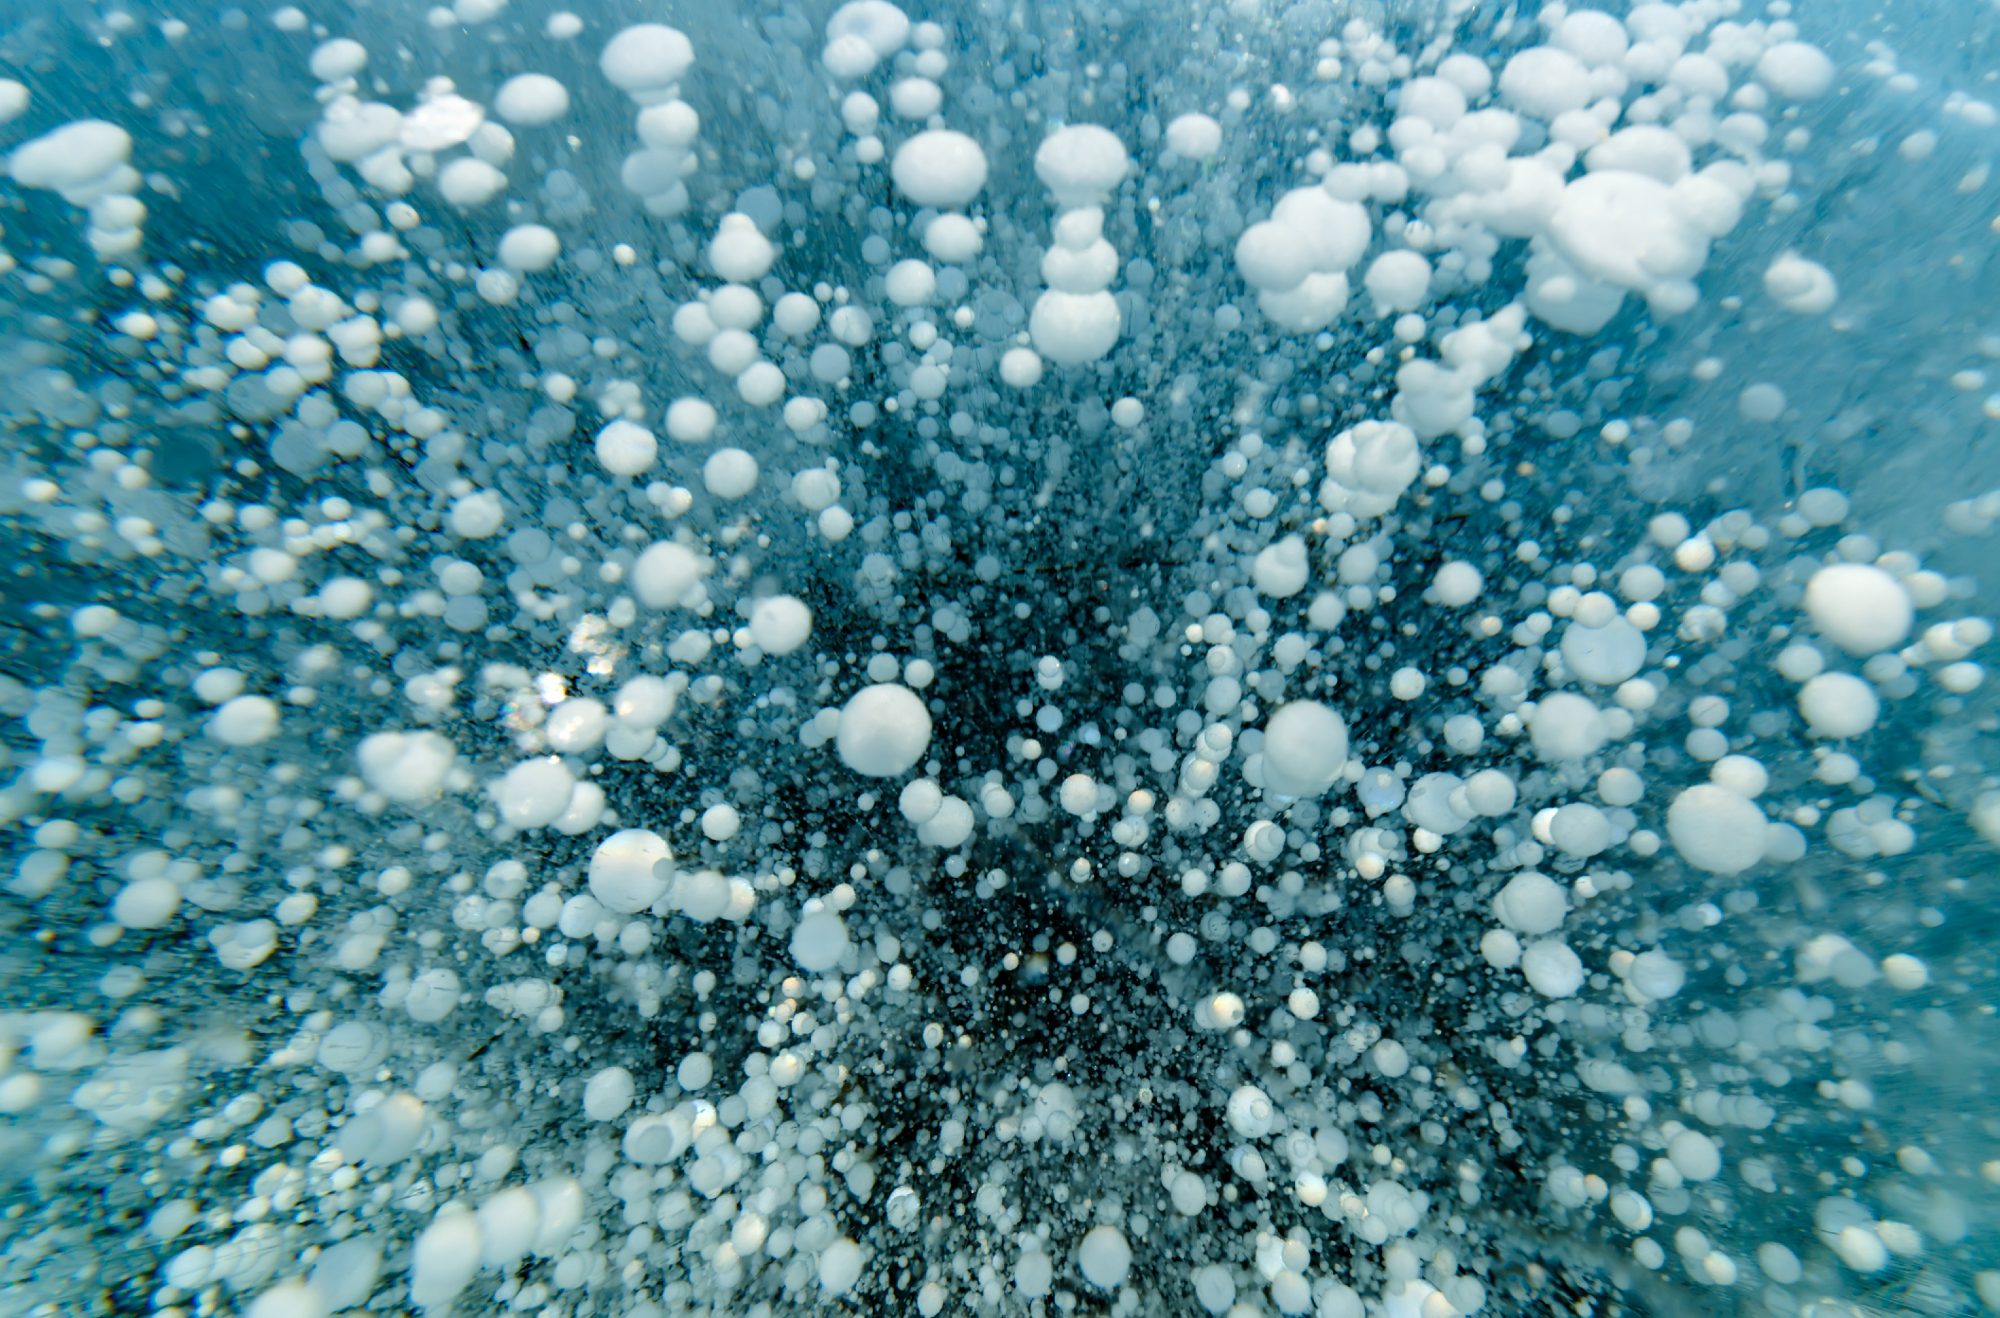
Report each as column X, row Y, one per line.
column 1656, row 975
column 409, row 767
column 1592, row 36
column 915, row 98
column 1468, row 73
column 625, row 448
column 1335, row 233
column 795, row 314
column 1189, row 1193
column 289, row 1299
column 1564, row 299
column 439, row 123
column 667, row 574
column 1579, row 829
column 1717, row 830
column 729, row 473
column 950, row 826
column 1310, row 307
column 646, row 57
column 819, row 940
column 719, row 823
column 1604, row 655
column 245, row 721
column 469, row 182
column 816, row 489
column 1368, row 466
column 780, row 624
column 1551, row 968
column 1490, row 792
column 1457, row 584
column 701, row 895
column 1762, row 401
column 910, row 283
column 884, row 27
column 339, row 58
column 533, row 793
column 691, row 420
column 851, row 325
column 1078, row 794
column 508, row 1225
column 884, row 730
column 644, row 702
column 1531, row 903
column 1398, row 281
column 1281, row 569
column 840, row 1267
column 1799, row 285
column 1861, row 1248
column 352, row 130
column 734, row 352
column 1708, row 203
column 1796, row 71
column 920, row 800
column 531, row 99
column 670, row 126
column 1544, row 81
column 1429, row 804
column 1270, row 257
column 1215, row 1288
column 443, row 1260
column 1250, row 1112
column 1081, row 164
column 608, row 1094
column 1566, row 726
column 953, row 239
column 849, row 57
column 583, row 813
column 386, row 1132
column 1104, row 1257
column 1694, row 1155
column 1021, row 368
column 939, row 168
column 1436, row 101
column 1081, row 268
column 1648, row 149
column 1838, row 705
column 626, row 873
column 576, row 725
column 1072, row 328
column 654, row 173
column 695, row 1071
column 146, row 903
column 1391, row 1058
column 1194, row 136
column 529, row 248
column 1860, row 608
column 214, row 685
column 1305, row 748
column 739, row 251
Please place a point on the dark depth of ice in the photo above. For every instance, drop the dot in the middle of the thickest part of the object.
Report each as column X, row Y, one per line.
column 606, row 715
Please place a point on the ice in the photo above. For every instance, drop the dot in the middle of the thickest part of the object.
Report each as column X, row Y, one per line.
column 1131, row 659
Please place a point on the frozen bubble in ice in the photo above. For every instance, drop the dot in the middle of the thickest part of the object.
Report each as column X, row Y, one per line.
column 884, row 730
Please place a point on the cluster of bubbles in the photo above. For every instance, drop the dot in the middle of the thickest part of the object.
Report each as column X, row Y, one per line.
column 1242, row 658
